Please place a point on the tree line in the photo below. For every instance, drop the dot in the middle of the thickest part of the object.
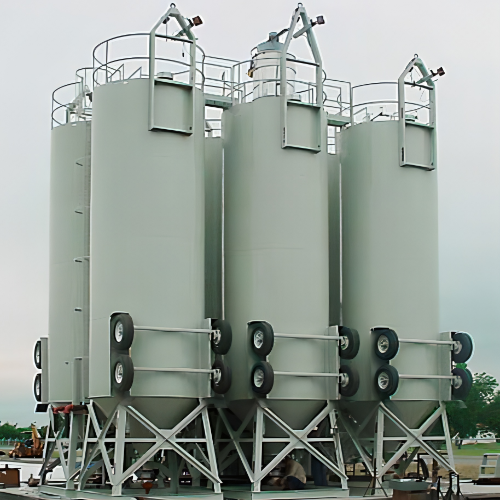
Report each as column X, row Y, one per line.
column 11, row 432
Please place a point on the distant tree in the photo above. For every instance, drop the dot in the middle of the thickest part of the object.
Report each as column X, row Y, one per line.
column 482, row 398
column 491, row 416
column 11, row 432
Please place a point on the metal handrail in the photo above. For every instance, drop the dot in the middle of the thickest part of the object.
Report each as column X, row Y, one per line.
column 99, row 65
column 61, row 105
column 355, row 105
column 104, row 67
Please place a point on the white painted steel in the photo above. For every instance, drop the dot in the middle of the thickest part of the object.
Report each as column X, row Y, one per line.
column 147, row 241
column 390, row 257
column 69, row 240
column 276, row 249
column 334, row 237
column 213, row 228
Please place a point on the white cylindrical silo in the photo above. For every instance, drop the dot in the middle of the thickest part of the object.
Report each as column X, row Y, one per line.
column 390, row 275
column 390, row 253
column 69, row 251
column 285, row 354
column 147, row 240
column 276, row 252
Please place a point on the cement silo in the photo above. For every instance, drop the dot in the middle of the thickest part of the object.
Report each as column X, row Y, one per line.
column 285, row 354
column 63, row 356
column 390, row 275
column 62, row 380
column 204, row 315
column 154, row 358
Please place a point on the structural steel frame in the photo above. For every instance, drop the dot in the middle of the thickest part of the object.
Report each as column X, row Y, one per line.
column 430, row 86
column 296, row 439
column 300, row 13
column 95, row 454
column 153, row 80
column 411, row 438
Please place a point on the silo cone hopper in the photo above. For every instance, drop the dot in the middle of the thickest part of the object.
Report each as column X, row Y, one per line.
column 287, row 359
column 390, row 276
column 131, row 414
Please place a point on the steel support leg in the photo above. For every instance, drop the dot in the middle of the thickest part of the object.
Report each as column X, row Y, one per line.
column 121, row 423
column 257, row 454
column 447, row 435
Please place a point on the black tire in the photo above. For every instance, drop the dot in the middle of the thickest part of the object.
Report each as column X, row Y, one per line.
column 37, row 387
column 386, row 380
column 349, row 345
column 37, row 355
column 122, row 332
column 262, row 378
column 261, row 338
column 461, row 389
column 463, row 353
column 222, row 337
column 349, row 384
column 221, row 381
column 386, row 343
column 122, row 374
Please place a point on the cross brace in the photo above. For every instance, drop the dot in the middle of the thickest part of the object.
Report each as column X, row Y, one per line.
column 296, row 439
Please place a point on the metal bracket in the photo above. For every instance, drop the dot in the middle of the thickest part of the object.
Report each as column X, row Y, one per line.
column 403, row 153
column 153, row 80
column 301, row 13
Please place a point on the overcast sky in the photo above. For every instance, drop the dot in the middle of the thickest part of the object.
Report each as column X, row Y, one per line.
column 44, row 42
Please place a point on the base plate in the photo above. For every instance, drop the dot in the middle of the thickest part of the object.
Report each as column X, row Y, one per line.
column 54, row 492
column 310, row 492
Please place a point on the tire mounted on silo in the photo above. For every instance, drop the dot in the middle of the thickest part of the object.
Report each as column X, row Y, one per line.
column 221, row 381
column 386, row 380
column 262, row 338
column 262, row 378
column 466, row 347
column 386, row 343
column 462, row 391
column 37, row 355
column 122, row 373
column 221, row 342
column 37, row 387
column 349, row 384
column 122, row 332
column 349, row 345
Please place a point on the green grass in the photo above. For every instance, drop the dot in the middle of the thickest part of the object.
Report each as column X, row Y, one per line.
column 476, row 450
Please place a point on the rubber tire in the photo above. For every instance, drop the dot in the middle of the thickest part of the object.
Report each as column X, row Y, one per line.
column 352, row 348
column 467, row 347
column 353, row 385
column 463, row 391
column 128, row 332
column 268, row 383
column 393, row 343
column 267, row 345
column 37, row 382
column 37, row 353
column 392, row 386
column 128, row 373
column 226, row 336
column 226, row 376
